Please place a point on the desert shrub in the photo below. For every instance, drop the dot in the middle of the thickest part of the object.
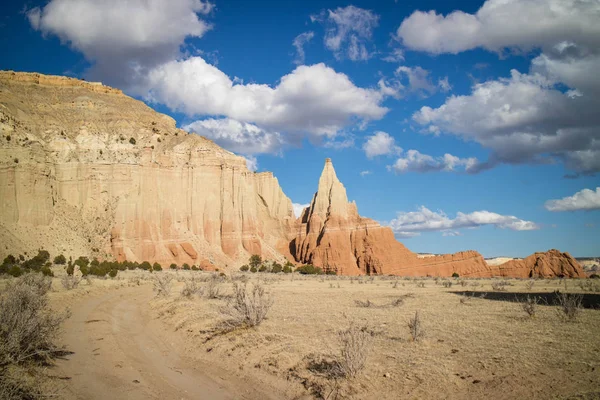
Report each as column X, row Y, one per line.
column 173, row 266
column 213, row 287
column 113, row 273
column 195, row 268
column 455, row 275
column 499, row 286
column 146, row 266
column 364, row 304
column 28, row 327
column 15, row 271
column 70, row 282
column 309, row 270
column 253, row 269
column 248, row 307
column 186, row 266
column 162, row 285
column 37, row 262
column 569, row 306
column 84, row 262
column 277, row 268
column 60, row 260
column 529, row 284
column 46, row 271
column 420, row 284
column 157, row 267
column 287, row 269
column 263, row 268
column 355, row 345
column 132, row 140
column 529, row 305
column 447, row 284
column 415, row 327
column 244, row 268
column 190, row 288
column 255, row 261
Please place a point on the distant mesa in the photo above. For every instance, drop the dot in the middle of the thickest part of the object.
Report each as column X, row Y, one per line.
column 104, row 175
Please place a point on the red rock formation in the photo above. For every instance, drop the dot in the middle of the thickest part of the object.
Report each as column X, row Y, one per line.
column 330, row 234
column 550, row 264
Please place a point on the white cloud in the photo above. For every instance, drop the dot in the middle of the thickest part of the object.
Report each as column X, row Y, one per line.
column 379, row 144
column 236, row 136
column 299, row 42
column 451, row 233
column 444, row 85
column 348, row 31
column 298, row 208
column 396, row 56
column 414, row 161
column 123, row 38
column 424, row 220
column 251, row 163
column 365, row 173
column 313, row 99
column 500, row 24
column 418, row 79
column 585, row 199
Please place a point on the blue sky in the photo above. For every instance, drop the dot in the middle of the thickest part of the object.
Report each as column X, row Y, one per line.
column 462, row 125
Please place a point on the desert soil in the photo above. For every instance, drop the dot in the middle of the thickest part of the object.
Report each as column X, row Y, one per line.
column 127, row 343
column 119, row 351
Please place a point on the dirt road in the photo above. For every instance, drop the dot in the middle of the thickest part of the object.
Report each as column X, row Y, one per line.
column 121, row 352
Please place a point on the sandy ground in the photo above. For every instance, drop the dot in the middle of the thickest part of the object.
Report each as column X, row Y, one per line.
column 129, row 344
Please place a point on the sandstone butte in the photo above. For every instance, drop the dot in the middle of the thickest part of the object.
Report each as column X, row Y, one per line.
column 87, row 170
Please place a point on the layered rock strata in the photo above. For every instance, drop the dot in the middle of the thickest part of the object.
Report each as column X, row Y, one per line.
column 85, row 169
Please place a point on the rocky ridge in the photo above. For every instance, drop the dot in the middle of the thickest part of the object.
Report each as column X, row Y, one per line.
column 87, row 170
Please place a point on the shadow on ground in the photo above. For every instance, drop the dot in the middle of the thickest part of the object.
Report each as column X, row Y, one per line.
column 588, row 300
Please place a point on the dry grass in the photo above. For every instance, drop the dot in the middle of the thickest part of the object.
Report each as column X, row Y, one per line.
column 28, row 332
column 487, row 341
column 70, row 282
column 415, row 327
column 569, row 306
column 355, row 345
column 162, row 284
column 529, row 305
column 248, row 308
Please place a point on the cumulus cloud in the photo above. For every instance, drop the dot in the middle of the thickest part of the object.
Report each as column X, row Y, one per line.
column 298, row 208
column 425, row 220
column 298, row 43
column 379, row 144
column 105, row 32
column 411, row 80
column 500, row 24
column 546, row 115
column 585, row 199
column 349, row 31
column 239, row 137
column 414, row 161
column 313, row 99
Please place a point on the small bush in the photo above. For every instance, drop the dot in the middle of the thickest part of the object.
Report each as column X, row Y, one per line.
column 113, row 273
column 244, row 268
column 415, row 327
column 263, row 268
column 60, row 260
column 255, row 261
column 447, row 284
column 70, row 282
column 455, row 275
column 309, row 270
column 162, row 285
column 287, row 269
column 253, row 269
column 213, row 289
column 248, row 308
column 355, row 343
column 276, row 268
column 173, row 266
column 569, row 306
column 46, row 271
column 499, row 286
column 132, row 140
column 28, row 331
column 157, row 267
column 529, row 305
column 15, row 271
column 186, row 266
column 190, row 288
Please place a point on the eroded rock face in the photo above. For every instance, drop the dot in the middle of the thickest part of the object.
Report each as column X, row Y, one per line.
column 330, row 234
column 550, row 264
column 86, row 170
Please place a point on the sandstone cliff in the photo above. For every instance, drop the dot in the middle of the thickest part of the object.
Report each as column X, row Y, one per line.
column 85, row 169
column 332, row 235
